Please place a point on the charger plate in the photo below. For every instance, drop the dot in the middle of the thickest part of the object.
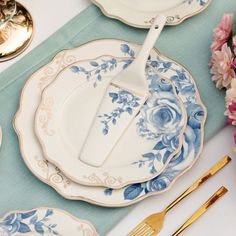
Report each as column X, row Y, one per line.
column 44, row 221
column 51, row 175
column 67, row 110
column 139, row 13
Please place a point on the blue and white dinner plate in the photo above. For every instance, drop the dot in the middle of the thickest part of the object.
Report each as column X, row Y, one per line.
column 50, row 174
column 67, row 110
column 44, row 221
column 139, row 13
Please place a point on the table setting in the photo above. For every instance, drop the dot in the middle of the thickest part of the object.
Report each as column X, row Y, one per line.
column 113, row 111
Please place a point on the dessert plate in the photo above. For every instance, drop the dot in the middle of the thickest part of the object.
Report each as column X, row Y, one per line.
column 66, row 113
column 44, row 221
column 139, row 13
column 51, row 175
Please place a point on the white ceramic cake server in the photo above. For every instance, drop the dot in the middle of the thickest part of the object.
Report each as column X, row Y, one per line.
column 122, row 101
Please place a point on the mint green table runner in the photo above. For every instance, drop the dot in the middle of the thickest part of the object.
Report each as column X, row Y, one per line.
column 187, row 43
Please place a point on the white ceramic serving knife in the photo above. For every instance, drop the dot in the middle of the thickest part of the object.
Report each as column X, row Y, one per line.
column 122, row 100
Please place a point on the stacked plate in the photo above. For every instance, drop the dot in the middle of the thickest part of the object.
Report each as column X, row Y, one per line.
column 57, row 107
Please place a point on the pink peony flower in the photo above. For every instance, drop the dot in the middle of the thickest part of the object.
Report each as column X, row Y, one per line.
column 231, row 93
column 233, row 64
column 234, row 44
column 221, row 67
column 230, row 99
column 222, row 32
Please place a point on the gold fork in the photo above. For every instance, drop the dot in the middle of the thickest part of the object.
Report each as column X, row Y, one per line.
column 222, row 191
column 153, row 224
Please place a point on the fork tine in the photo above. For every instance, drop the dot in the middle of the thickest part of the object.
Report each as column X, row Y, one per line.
column 143, row 230
column 149, row 232
column 139, row 229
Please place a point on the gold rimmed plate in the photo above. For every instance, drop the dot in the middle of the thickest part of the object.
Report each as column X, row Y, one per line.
column 67, row 109
column 50, row 174
column 139, row 13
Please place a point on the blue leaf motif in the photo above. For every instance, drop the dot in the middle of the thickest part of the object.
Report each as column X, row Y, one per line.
column 93, row 63
column 24, row 228
column 108, row 191
column 74, row 69
column 131, row 53
column 149, row 155
column 127, row 102
column 129, row 110
column 153, row 170
column 105, row 131
column 133, row 191
column 77, row 69
column 49, row 212
column 99, row 77
column 39, row 227
column 166, row 156
column 114, row 96
column 34, row 219
column 28, row 214
column 159, row 146
column 125, row 48
column 9, row 218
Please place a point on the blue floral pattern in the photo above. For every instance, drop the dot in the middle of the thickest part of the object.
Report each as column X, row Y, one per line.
column 27, row 222
column 160, row 119
column 126, row 102
column 193, row 139
column 98, row 69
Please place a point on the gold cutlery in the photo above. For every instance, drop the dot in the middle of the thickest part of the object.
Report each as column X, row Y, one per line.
column 153, row 224
column 220, row 193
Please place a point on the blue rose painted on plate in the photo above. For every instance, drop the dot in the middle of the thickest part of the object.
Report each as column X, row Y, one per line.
column 125, row 102
column 160, row 115
column 28, row 222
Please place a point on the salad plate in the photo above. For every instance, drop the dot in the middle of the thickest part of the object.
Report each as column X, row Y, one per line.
column 139, row 13
column 44, row 221
column 66, row 113
column 50, row 174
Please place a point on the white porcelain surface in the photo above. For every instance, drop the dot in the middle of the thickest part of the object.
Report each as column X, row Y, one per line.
column 140, row 13
column 66, row 112
column 48, row 173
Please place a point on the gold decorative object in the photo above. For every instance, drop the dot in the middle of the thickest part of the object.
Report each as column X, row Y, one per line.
column 153, row 224
column 16, row 29
column 220, row 193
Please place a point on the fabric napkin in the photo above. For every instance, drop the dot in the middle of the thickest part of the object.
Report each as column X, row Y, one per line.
column 187, row 43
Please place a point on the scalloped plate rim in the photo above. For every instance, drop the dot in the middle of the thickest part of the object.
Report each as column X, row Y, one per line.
column 106, row 10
